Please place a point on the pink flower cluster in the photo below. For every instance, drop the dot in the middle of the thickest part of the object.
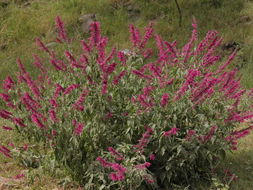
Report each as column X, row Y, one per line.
column 8, row 83
column 141, row 74
column 190, row 134
column 171, row 132
column 136, row 38
column 31, row 104
column 7, row 128
column 5, row 114
column 135, row 35
column 143, row 166
column 18, row 122
column 114, row 153
column 236, row 135
column 19, row 176
column 206, row 138
column 37, row 62
column 95, row 39
column 118, row 77
column 189, row 81
column 62, row 34
column 78, row 105
column 52, row 115
column 143, row 142
column 164, row 99
column 7, row 99
column 42, row 46
column 230, row 175
column 204, row 89
column 240, row 117
column 35, row 119
column 32, row 85
column 119, row 173
column 5, row 151
column 70, row 88
column 78, row 130
column 58, row 64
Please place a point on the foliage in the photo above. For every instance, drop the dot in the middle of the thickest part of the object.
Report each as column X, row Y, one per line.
column 130, row 119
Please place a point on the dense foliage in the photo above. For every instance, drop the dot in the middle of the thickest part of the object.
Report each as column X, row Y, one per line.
column 144, row 118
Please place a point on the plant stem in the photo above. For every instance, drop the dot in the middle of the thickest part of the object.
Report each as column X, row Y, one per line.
column 180, row 13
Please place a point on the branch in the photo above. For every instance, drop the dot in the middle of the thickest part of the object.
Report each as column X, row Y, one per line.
column 180, row 13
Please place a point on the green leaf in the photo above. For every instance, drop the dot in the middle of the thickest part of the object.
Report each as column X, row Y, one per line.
column 163, row 151
column 102, row 187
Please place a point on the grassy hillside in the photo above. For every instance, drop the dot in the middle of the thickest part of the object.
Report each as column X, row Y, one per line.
column 22, row 21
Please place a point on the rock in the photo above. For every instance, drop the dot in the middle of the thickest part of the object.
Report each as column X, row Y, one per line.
column 27, row 4
column 85, row 21
column 134, row 15
column 4, row 3
column 3, row 47
column 230, row 46
column 244, row 19
column 133, row 12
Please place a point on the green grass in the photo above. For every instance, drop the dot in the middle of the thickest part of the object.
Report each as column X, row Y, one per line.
column 19, row 25
column 241, row 163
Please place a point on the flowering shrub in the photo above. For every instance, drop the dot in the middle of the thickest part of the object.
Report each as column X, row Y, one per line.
column 130, row 119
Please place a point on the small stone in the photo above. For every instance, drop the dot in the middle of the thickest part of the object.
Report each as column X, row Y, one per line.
column 133, row 12
column 244, row 19
column 4, row 3
column 134, row 15
column 3, row 46
column 27, row 4
column 231, row 45
column 85, row 21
